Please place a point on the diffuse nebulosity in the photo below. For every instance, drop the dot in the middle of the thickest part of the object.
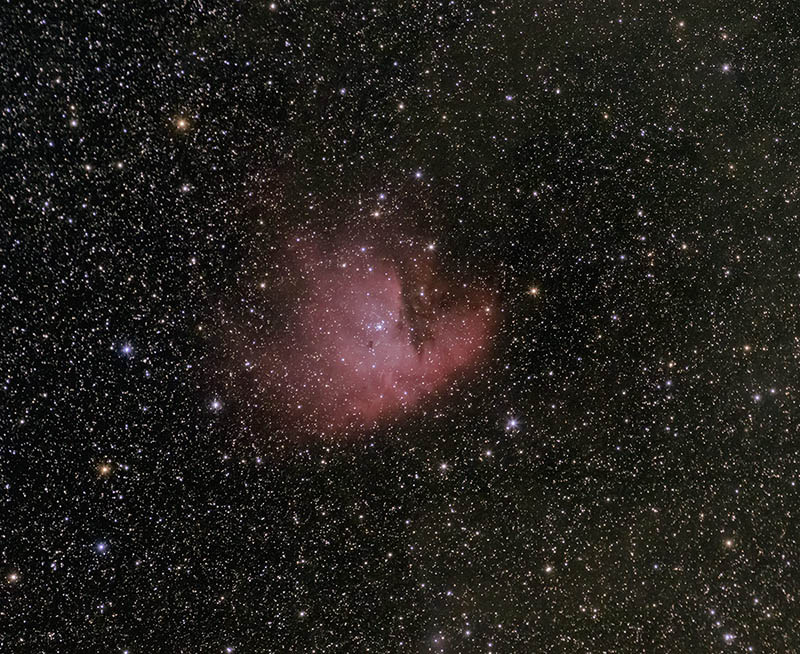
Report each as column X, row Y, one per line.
column 372, row 326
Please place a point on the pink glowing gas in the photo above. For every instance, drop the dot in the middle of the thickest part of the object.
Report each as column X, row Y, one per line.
column 370, row 334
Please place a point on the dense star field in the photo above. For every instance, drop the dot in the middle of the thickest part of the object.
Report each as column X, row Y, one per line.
column 416, row 326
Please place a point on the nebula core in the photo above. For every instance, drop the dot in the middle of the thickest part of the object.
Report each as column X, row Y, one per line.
column 369, row 332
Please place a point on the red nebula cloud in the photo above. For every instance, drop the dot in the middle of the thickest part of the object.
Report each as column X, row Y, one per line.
column 369, row 334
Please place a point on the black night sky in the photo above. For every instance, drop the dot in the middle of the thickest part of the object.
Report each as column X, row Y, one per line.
column 415, row 326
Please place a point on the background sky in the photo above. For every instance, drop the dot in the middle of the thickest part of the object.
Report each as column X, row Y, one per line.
column 617, row 474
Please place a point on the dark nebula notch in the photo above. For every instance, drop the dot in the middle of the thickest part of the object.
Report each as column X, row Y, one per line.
column 367, row 333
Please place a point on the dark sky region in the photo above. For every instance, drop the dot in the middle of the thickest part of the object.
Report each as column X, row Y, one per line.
column 399, row 327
